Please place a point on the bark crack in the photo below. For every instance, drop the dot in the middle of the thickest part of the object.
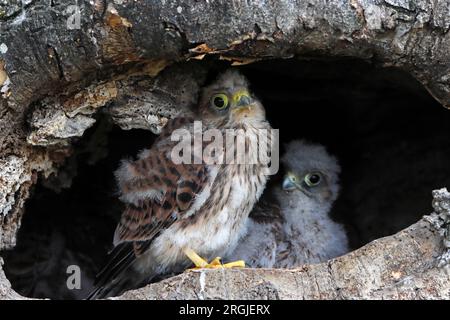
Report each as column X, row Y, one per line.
column 54, row 54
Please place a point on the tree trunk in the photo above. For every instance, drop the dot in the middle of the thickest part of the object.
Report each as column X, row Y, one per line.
column 62, row 62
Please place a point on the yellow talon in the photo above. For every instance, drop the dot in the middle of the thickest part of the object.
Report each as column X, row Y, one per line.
column 216, row 262
column 201, row 263
column 235, row 264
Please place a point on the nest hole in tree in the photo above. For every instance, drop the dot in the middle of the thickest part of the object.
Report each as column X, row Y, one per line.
column 390, row 136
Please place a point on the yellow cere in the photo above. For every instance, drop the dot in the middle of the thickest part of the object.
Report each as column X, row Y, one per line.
column 237, row 96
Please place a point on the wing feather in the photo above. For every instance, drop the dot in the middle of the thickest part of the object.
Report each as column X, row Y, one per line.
column 156, row 192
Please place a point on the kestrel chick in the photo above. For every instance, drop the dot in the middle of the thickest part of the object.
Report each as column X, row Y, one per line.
column 297, row 229
column 176, row 212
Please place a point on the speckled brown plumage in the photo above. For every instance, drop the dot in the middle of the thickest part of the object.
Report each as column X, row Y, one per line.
column 170, row 207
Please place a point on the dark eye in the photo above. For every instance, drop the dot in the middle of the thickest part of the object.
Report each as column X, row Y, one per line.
column 313, row 179
column 219, row 101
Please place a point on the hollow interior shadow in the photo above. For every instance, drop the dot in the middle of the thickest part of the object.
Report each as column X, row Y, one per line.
column 390, row 136
column 70, row 219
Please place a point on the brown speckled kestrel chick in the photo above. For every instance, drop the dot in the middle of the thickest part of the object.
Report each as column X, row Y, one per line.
column 176, row 213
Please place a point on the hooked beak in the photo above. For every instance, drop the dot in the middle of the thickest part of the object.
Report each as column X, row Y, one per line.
column 288, row 183
column 242, row 102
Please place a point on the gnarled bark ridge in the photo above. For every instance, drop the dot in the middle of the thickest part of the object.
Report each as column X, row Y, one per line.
column 62, row 62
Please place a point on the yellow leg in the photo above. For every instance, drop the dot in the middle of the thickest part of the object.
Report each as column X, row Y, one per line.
column 201, row 263
column 198, row 261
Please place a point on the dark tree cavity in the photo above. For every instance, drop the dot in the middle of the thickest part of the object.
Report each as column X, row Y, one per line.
column 85, row 83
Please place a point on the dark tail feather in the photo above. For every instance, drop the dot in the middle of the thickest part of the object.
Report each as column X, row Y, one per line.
column 110, row 280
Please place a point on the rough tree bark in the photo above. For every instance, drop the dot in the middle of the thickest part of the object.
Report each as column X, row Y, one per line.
column 407, row 265
column 403, row 266
column 61, row 62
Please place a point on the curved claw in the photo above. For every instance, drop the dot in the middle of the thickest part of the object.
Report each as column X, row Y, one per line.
column 201, row 263
column 235, row 264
